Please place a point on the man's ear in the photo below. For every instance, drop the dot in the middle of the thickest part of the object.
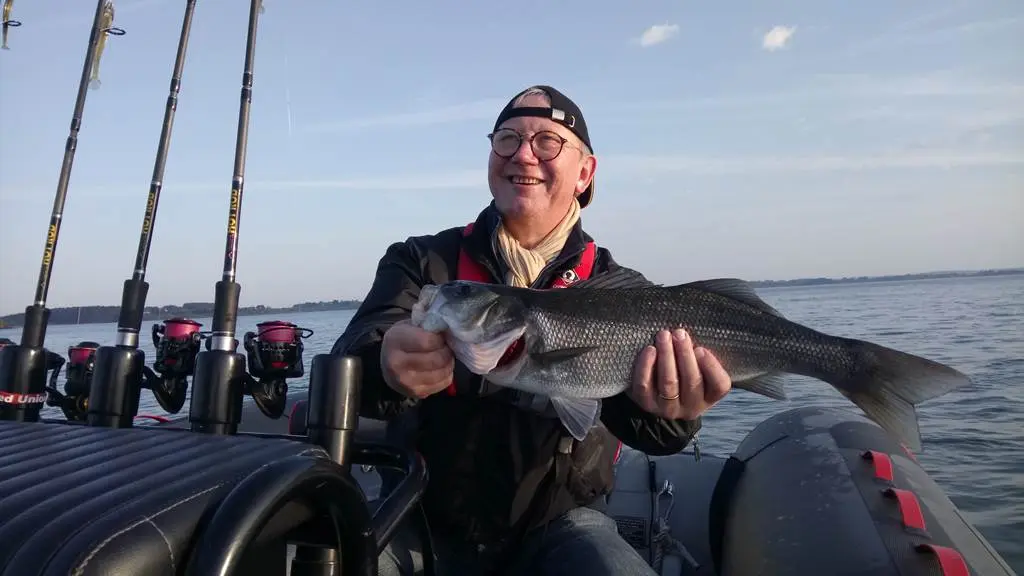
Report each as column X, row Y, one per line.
column 588, row 166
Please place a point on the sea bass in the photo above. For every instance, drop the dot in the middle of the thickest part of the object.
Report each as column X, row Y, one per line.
column 579, row 344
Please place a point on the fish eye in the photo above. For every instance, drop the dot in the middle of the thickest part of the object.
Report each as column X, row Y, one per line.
column 464, row 290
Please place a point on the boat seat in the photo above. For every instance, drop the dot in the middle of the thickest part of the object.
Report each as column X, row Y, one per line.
column 93, row 501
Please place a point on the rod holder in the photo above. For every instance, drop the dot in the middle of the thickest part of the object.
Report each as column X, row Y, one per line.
column 218, row 388
column 117, row 382
column 22, row 382
column 333, row 409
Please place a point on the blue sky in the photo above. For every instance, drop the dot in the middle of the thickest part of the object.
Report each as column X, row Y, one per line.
column 763, row 140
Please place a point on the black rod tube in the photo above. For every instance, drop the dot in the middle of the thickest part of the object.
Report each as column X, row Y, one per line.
column 312, row 561
column 133, row 298
column 332, row 419
column 333, row 410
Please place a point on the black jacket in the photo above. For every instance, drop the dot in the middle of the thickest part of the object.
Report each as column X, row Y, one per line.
column 492, row 466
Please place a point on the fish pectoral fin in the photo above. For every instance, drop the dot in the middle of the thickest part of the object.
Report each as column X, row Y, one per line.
column 578, row 415
column 772, row 385
column 560, row 355
column 736, row 289
column 620, row 278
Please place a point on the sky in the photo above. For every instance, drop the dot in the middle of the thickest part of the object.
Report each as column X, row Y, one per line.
column 750, row 139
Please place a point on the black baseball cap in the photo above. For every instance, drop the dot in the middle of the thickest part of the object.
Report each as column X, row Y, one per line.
column 562, row 110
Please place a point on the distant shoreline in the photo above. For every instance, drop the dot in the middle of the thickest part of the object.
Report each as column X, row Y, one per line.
column 887, row 278
column 109, row 314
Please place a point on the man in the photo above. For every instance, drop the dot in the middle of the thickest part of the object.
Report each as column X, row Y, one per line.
column 509, row 489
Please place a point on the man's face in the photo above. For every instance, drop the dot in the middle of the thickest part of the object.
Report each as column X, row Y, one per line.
column 525, row 186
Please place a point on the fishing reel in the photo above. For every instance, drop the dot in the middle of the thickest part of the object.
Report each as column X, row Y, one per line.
column 274, row 353
column 74, row 401
column 177, row 342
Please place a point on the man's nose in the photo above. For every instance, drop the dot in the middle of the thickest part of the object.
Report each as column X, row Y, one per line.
column 525, row 153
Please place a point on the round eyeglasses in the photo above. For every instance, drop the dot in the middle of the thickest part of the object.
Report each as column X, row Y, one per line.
column 546, row 145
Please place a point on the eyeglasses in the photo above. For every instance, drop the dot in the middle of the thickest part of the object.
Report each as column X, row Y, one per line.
column 546, row 145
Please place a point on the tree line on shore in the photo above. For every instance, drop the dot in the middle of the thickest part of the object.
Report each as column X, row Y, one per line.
column 107, row 314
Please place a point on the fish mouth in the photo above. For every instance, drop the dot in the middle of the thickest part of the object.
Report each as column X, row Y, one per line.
column 424, row 311
column 513, row 353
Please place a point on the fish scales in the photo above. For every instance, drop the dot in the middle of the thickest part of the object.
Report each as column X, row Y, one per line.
column 747, row 341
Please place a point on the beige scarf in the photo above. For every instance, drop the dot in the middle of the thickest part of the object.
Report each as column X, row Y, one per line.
column 526, row 264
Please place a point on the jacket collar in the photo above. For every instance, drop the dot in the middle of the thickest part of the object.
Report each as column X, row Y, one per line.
column 481, row 245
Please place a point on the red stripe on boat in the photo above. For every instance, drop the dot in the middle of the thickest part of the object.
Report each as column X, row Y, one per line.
column 951, row 563
column 882, row 464
column 910, row 508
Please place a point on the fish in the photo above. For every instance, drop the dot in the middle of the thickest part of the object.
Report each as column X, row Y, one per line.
column 106, row 23
column 7, row 22
column 578, row 345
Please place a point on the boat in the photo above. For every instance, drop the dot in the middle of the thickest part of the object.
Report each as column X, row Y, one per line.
column 810, row 490
column 256, row 480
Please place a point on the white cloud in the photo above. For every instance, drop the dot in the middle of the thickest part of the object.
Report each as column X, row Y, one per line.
column 777, row 38
column 657, row 34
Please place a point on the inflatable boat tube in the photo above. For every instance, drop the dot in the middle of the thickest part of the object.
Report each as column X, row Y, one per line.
column 824, row 491
column 94, row 501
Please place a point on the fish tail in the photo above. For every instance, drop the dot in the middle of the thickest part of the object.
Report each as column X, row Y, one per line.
column 887, row 384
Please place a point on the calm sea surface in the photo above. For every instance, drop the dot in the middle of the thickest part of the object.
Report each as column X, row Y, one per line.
column 972, row 437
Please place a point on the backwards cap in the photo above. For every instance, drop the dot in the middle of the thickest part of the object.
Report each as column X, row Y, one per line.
column 562, row 110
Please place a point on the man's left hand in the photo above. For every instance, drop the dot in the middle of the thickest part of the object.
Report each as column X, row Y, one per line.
column 673, row 380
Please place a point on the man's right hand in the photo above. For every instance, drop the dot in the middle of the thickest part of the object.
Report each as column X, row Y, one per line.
column 415, row 363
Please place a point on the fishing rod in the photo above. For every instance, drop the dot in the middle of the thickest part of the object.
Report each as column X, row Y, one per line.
column 275, row 352
column 120, row 373
column 23, row 367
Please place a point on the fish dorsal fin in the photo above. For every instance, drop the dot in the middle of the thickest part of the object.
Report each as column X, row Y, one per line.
column 736, row 289
column 620, row 278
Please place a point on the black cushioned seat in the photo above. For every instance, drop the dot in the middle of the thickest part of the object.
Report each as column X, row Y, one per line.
column 85, row 501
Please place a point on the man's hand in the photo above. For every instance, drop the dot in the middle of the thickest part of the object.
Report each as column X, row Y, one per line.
column 674, row 381
column 415, row 363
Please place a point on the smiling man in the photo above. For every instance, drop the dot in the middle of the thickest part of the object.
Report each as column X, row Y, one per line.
column 511, row 491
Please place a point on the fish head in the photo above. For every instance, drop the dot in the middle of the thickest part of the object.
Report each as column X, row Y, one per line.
column 480, row 323
column 477, row 312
